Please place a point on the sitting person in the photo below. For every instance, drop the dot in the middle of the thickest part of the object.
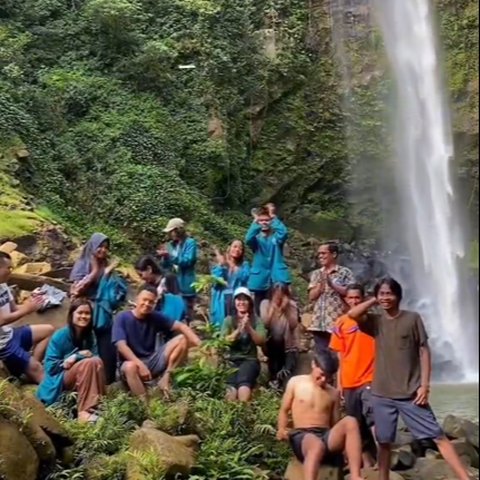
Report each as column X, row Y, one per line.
column 245, row 332
column 234, row 270
column 170, row 301
column 135, row 334
column 318, row 433
column 281, row 318
column 72, row 363
column 16, row 343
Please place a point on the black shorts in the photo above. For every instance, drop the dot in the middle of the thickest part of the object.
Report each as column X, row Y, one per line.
column 358, row 404
column 296, row 439
column 246, row 375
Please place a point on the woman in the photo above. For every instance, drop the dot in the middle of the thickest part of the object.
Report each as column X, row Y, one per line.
column 234, row 270
column 245, row 333
column 92, row 277
column 72, row 363
column 179, row 256
column 170, row 301
column 281, row 318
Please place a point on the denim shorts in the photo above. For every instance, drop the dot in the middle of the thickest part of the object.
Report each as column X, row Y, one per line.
column 16, row 353
column 419, row 419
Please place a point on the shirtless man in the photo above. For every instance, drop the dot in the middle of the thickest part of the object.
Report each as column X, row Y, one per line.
column 318, row 431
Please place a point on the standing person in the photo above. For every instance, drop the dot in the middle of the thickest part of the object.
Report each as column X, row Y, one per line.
column 266, row 238
column 245, row 333
column 180, row 257
column 356, row 352
column 234, row 270
column 93, row 279
column 318, row 435
column 401, row 382
column 17, row 342
column 72, row 363
column 135, row 336
column 281, row 319
column 327, row 289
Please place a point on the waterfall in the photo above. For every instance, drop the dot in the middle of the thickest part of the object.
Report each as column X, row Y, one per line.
column 411, row 189
column 431, row 225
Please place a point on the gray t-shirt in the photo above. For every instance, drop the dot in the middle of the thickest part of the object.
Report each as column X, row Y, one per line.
column 397, row 353
column 6, row 298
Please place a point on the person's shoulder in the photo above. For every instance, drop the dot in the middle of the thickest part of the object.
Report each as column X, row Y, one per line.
column 190, row 241
column 411, row 315
column 333, row 392
column 61, row 334
column 299, row 380
column 124, row 316
column 4, row 288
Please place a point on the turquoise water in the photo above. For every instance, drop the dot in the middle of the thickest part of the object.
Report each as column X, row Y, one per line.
column 460, row 400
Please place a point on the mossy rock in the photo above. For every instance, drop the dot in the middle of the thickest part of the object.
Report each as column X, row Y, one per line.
column 18, row 459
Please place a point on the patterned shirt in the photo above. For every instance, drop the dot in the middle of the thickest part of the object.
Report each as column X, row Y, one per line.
column 329, row 305
column 6, row 298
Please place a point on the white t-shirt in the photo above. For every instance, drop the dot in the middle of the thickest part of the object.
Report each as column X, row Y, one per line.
column 6, row 298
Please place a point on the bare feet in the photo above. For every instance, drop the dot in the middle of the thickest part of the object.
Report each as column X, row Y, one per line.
column 164, row 384
column 87, row 417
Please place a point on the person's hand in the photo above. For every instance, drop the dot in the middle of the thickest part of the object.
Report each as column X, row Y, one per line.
column 282, row 434
column 85, row 353
column 220, row 257
column 422, row 395
column 69, row 362
column 112, row 266
column 272, row 210
column 244, row 322
column 144, row 372
column 34, row 303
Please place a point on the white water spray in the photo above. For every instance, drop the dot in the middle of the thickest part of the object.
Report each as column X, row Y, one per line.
column 424, row 150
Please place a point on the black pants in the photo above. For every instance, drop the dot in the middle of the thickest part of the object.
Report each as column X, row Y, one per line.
column 280, row 361
column 108, row 353
column 258, row 297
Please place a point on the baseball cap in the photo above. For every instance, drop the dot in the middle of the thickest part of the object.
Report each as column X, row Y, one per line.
column 242, row 291
column 174, row 223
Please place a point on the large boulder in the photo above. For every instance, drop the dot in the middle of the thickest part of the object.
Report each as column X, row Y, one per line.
column 402, row 458
column 430, row 469
column 372, row 474
column 456, row 427
column 18, row 459
column 295, row 472
column 466, row 451
column 172, row 456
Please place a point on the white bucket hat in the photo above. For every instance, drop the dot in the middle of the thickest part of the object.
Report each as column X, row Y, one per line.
column 174, row 223
column 242, row 291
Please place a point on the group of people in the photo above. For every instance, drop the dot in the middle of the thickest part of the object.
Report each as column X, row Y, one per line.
column 369, row 354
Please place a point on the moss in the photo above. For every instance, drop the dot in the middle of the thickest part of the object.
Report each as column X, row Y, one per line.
column 16, row 223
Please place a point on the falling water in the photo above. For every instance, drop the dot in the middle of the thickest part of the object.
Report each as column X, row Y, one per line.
column 431, row 228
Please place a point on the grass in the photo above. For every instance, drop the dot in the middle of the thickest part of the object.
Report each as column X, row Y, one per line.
column 16, row 223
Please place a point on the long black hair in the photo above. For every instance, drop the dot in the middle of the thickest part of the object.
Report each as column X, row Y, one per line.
column 148, row 261
column 85, row 340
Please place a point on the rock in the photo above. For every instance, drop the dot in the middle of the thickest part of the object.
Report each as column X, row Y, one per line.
column 306, row 319
column 37, row 268
column 403, row 437
column 456, row 427
column 427, row 469
column 433, row 454
column 173, row 455
column 53, row 316
column 22, row 154
column 371, row 474
column 465, row 449
column 402, row 458
column 295, row 472
column 18, row 259
column 8, row 247
column 216, row 130
column 18, row 459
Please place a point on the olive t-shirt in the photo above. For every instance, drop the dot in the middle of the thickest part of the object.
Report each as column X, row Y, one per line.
column 397, row 353
column 243, row 347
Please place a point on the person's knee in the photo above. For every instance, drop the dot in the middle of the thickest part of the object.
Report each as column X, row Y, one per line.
column 350, row 423
column 130, row 369
column 441, row 440
column 93, row 363
column 182, row 342
column 47, row 331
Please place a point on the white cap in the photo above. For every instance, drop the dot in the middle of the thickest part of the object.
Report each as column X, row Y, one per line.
column 174, row 223
column 242, row 291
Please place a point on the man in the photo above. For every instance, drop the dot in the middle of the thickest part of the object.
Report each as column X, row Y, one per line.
column 266, row 238
column 356, row 351
column 135, row 334
column 180, row 256
column 318, row 431
column 16, row 343
column 327, row 289
column 401, row 382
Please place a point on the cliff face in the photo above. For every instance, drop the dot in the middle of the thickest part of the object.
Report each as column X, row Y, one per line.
column 135, row 111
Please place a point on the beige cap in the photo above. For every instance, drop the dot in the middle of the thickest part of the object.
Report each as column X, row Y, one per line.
column 174, row 223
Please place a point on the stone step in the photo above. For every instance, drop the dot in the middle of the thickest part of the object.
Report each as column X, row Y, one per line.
column 295, row 472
